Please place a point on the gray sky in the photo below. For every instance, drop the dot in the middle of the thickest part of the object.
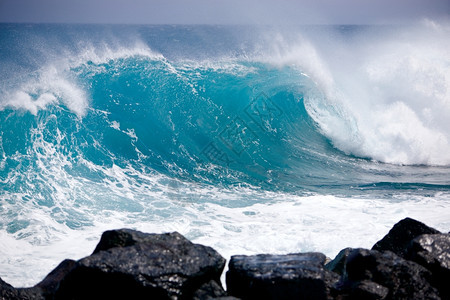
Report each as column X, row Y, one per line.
column 223, row 12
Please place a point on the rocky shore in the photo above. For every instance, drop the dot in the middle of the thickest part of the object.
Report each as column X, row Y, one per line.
column 411, row 262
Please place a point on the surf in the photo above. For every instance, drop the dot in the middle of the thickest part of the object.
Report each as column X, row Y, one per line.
column 201, row 128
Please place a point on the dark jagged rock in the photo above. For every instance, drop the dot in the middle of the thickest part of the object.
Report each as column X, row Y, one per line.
column 122, row 238
column 128, row 264
column 50, row 283
column 366, row 289
column 404, row 279
column 399, row 237
column 134, row 265
column 433, row 252
column 211, row 290
column 8, row 292
column 292, row 276
column 4, row 285
column 337, row 265
column 369, row 290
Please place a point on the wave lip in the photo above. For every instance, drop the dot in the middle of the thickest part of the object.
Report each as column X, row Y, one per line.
column 48, row 88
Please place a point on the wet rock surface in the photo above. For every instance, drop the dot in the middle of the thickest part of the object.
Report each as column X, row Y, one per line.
column 134, row 265
column 400, row 278
column 337, row 265
column 400, row 236
column 50, row 284
column 433, row 252
column 8, row 292
column 411, row 262
column 292, row 276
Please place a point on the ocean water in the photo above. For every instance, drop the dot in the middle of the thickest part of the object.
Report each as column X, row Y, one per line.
column 247, row 139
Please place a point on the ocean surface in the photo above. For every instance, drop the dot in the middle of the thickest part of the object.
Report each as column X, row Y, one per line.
column 249, row 139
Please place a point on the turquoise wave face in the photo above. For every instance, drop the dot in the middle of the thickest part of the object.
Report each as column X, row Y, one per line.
column 220, row 121
column 233, row 122
column 224, row 123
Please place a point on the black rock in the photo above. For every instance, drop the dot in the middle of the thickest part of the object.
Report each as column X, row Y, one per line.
column 4, row 285
column 413, row 263
column 404, row 279
column 50, row 283
column 292, row 276
column 369, row 290
column 337, row 265
column 399, row 237
column 122, row 238
column 211, row 290
column 366, row 289
column 134, row 265
column 433, row 252
column 8, row 292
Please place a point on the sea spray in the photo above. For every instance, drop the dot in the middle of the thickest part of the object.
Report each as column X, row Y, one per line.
column 240, row 138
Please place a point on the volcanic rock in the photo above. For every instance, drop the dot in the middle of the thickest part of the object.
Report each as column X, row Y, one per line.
column 292, row 276
column 404, row 279
column 50, row 283
column 132, row 265
column 433, row 252
column 337, row 265
column 398, row 238
column 8, row 292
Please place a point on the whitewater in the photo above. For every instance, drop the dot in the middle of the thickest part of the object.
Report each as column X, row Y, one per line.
column 248, row 139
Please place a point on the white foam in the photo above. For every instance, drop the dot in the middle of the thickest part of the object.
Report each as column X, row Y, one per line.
column 54, row 82
column 290, row 224
column 49, row 87
column 23, row 100
column 383, row 94
column 67, row 222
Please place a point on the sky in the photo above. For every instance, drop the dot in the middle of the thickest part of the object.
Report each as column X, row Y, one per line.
column 223, row 11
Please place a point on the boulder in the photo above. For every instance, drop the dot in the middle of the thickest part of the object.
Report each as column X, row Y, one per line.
column 8, row 292
column 50, row 283
column 365, row 289
column 211, row 290
column 412, row 262
column 133, row 265
column 433, row 252
column 337, row 265
column 123, row 238
column 399, row 237
column 369, row 290
column 291, row 276
column 404, row 279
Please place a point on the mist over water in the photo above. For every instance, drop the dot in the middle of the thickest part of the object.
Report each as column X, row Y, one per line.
column 247, row 139
column 396, row 91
